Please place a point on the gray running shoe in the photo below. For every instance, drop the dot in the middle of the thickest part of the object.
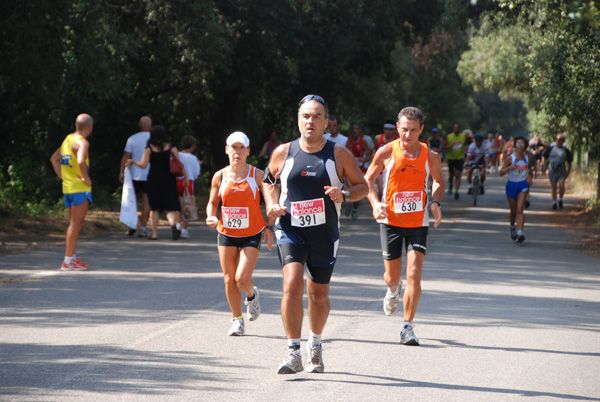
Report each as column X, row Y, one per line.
column 513, row 234
column 237, row 328
column 292, row 363
column 560, row 204
column 407, row 336
column 315, row 359
column 391, row 301
column 143, row 233
column 253, row 307
column 520, row 239
column 354, row 214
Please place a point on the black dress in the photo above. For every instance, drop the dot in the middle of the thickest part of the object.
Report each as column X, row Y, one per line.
column 162, row 185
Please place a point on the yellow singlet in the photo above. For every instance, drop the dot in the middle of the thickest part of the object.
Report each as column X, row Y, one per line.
column 71, row 175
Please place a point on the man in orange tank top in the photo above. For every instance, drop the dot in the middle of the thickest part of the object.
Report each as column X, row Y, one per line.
column 402, row 212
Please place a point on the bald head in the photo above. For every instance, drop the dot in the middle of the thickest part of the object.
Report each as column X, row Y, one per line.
column 145, row 123
column 84, row 123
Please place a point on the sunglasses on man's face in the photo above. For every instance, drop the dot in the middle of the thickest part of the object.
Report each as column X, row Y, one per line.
column 313, row 97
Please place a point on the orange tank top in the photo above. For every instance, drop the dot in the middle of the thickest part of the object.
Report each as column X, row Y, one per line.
column 241, row 215
column 404, row 188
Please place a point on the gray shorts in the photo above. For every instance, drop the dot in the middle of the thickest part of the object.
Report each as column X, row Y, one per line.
column 557, row 175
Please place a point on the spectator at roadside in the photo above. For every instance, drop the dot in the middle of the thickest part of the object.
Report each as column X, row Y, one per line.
column 134, row 149
column 162, row 185
column 192, row 168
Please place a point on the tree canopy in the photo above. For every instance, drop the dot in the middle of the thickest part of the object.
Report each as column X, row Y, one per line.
column 207, row 68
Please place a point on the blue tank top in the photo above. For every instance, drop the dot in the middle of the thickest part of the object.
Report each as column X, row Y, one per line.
column 311, row 213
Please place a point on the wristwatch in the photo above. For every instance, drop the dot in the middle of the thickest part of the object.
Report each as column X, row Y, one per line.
column 346, row 194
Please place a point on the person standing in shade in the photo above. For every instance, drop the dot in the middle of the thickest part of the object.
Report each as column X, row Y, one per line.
column 402, row 213
column 192, row 168
column 162, row 185
column 559, row 159
column 306, row 177
column 455, row 154
column 134, row 149
column 241, row 228
column 71, row 164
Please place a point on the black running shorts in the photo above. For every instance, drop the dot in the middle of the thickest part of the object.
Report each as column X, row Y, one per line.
column 392, row 238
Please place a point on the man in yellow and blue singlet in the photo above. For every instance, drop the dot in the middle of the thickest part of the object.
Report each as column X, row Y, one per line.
column 71, row 164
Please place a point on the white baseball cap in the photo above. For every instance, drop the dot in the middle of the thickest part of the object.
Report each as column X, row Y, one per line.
column 238, row 136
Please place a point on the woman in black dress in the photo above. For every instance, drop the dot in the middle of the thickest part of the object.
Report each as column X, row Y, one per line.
column 161, row 184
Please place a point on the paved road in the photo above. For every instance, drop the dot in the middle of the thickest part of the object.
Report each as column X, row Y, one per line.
column 497, row 321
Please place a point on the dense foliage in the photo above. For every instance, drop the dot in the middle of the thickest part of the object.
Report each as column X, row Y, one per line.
column 207, row 68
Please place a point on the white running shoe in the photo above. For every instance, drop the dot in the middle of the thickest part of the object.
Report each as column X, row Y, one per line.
column 237, row 328
column 253, row 309
column 391, row 301
column 408, row 337
column 185, row 234
column 292, row 363
column 315, row 359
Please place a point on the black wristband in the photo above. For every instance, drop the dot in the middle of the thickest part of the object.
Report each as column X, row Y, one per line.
column 437, row 202
column 271, row 228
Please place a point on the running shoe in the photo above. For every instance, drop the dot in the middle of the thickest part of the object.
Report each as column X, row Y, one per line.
column 527, row 204
column 237, row 327
column 513, row 234
column 391, row 301
column 253, row 306
column 143, row 233
column 80, row 262
column 481, row 190
column 354, row 214
column 560, row 204
column 407, row 336
column 520, row 238
column 470, row 191
column 456, row 195
column 73, row 266
column 292, row 363
column 315, row 359
column 185, row 234
column 450, row 188
column 130, row 232
column 554, row 205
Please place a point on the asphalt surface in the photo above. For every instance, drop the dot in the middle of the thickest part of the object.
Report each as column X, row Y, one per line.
column 498, row 321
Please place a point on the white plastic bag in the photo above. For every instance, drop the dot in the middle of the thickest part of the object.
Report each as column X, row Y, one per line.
column 128, row 202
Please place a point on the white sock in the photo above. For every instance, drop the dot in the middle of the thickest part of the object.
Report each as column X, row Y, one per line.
column 519, row 232
column 407, row 324
column 294, row 344
column 143, row 228
column 314, row 340
column 69, row 260
column 396, row 291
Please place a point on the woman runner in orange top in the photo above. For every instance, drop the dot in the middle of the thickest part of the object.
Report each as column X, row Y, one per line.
column 241, row 227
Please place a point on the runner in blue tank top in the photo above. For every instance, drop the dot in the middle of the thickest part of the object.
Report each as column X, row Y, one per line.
column 306, row 177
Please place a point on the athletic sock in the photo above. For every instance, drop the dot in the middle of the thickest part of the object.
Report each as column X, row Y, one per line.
column 251, row 298
column 407, row 324
column 69, row 260
column 241, row 318
column 294, row 344
column 513, row 227
column 314, row 340
column 519, row 232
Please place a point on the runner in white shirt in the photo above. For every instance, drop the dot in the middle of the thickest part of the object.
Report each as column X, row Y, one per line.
column 134, row 149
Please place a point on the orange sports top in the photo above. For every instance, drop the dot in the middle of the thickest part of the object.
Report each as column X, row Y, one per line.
column 404, row 192
column 241, row 215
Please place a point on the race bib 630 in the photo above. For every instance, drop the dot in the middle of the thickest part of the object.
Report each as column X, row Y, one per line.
column 408, row 201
